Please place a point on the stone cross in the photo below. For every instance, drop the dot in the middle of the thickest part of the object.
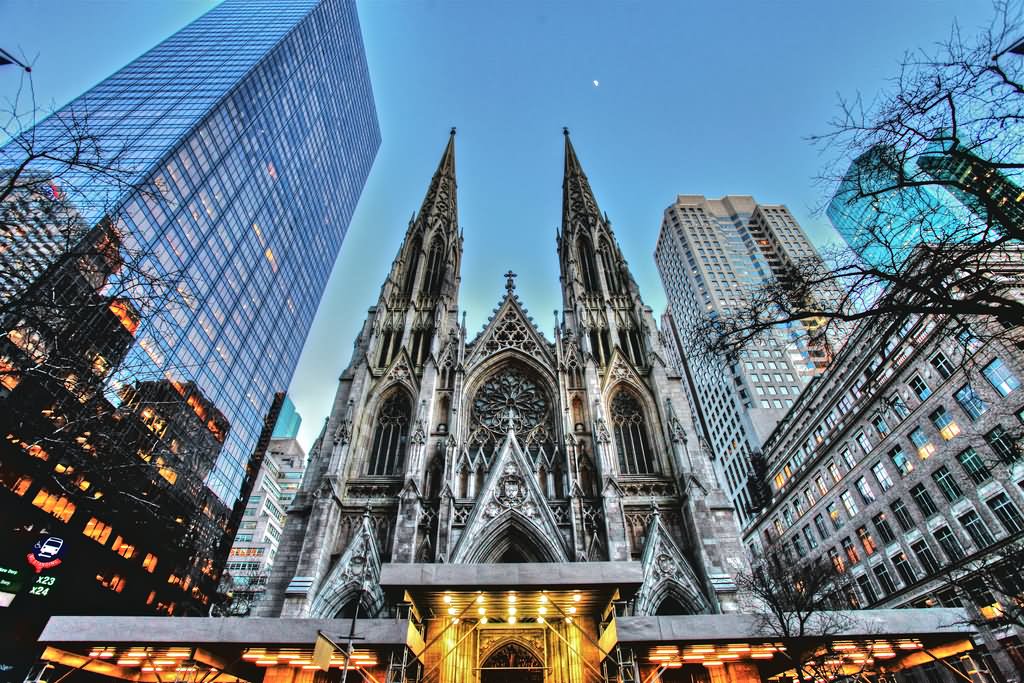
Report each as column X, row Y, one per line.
column 510, row 282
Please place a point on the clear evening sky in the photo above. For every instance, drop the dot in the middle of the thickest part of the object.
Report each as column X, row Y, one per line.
column 662, row 98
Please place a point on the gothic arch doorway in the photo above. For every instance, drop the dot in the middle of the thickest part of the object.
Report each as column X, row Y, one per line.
column 512, row 663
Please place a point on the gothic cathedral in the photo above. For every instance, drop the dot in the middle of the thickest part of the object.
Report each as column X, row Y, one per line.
column 507, row 447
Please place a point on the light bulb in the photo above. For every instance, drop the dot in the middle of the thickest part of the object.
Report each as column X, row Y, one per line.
column 511, row 620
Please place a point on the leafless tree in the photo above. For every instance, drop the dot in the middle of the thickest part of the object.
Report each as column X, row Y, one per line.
column 933, row 198
column 799, row 605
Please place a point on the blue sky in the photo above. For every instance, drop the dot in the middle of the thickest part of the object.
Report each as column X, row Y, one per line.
column 692, row 98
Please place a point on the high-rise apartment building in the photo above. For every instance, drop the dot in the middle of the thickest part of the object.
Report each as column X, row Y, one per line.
column 709, row 253
column 259, row 533
column 252, row 131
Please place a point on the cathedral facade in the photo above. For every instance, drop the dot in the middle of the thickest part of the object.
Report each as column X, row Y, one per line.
column 508, row 448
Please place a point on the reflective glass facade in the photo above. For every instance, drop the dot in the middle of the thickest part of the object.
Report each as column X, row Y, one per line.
column 255, row 127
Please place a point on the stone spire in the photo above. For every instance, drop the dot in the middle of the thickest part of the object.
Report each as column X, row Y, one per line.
column 578, row 205
column 440, row 202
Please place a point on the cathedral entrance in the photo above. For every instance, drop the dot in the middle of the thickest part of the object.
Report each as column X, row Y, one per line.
column 512, row 663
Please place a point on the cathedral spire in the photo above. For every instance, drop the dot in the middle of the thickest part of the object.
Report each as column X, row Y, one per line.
column 440, row 202
column 578, row 204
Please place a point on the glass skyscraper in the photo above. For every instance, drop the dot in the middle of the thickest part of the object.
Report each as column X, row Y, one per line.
column 253, row 130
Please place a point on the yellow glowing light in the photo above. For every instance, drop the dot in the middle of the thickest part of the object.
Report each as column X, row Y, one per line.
column 511, row 620
column 483, row 620
column 543, row 599
column 572, row 610
column 480, row 599
column 568, row 620
column 447, row 599
column 511, row 610
column 512, row 597
column 452, row 610
column 455, row 620
column 576, row 597
column 540, row 620
column 481, row 610
column 542, row 610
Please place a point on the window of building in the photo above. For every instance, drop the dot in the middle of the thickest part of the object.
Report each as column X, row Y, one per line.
column 837, row 560
column 149, row 562
column 862, row 441
column 949, row 543
column 787, row 514
column 808, row 533
column 1006, row 512
column 123, row 549
column 899, row 407
column 809, row 497
column 864, row 583
column 919, row 387
column 951, row 491
column 899, row 458
column 921, row 442
column 925, row 556
column 1002, row 444
column 631, row 440
column 971, row 403
column 883, row 528
column 1000, row 377
column 902, row 513
column 880, row 425
column 904, row 568
column 974, row 466
column 865, row 490
column 820, row 483
column 851, row 551
column 884, row 578
column 390, row 435
column 942, row 365
column 97, row 530
column 924, row 501
column 835, row 516
column 976, row 528
column 111, row 581
column 819, row 523
column 833, row 470
column 56, row 505
column 866, row 540
column 882, row 476
column 849, row 503
column 847, row 455
column 944, row 422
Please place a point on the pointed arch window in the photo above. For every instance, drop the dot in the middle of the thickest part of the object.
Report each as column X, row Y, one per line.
column 611, row 268
column 412, row 261
column 390, row 435
column 435, row 266
column 631, row 439
column 588, row 270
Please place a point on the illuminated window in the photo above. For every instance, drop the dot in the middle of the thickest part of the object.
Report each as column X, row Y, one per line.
column 837, row 560
column 20, row 485
column 97, row 530
column 9, row 376
column 112, row 582
column 924, row 447
column 944, row 422
column 124, row 313
column 851, row 552
column 121, row 548
column 866, row 540
column 58, row 506
column 849, row 503
column 835, row 516
column 149, row 563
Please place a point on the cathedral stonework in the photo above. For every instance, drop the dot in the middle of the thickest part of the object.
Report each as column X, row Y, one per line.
column 508, row 448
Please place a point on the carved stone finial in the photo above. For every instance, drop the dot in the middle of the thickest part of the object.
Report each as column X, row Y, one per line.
column 510, row 281
column 453, row 131
column 565, row 131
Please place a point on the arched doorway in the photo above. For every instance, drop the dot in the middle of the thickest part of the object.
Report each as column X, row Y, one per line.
column 512, row 663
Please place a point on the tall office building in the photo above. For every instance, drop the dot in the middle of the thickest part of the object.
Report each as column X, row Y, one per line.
column 883, row 225
column 709, row 252
column 252, row 130
column 288, row 421
column 250, row 133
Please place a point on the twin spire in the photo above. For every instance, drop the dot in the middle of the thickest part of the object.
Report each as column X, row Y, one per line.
column 578, row 201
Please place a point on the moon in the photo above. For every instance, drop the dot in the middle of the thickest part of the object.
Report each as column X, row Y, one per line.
column 597, row 83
